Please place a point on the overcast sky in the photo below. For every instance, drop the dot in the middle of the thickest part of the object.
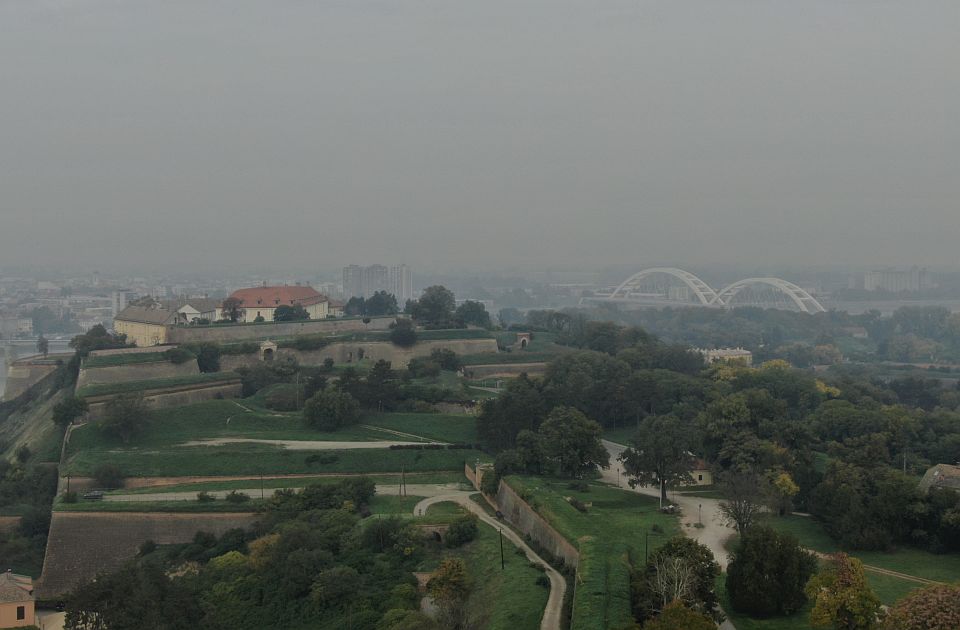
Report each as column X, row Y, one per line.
column 492, row 133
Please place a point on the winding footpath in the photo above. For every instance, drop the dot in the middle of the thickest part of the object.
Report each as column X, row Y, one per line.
column 553, row 612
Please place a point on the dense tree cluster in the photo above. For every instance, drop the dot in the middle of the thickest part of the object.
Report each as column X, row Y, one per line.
column 308, row 564
column 768, row 572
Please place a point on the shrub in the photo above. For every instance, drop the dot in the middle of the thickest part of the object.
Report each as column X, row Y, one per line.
column 579, row 486
column 237, row 497
column 331, row 409
column 403, row 333
column 205, row 497
column 147, row 547
column 328, row 364
column 579, row 505
column 70, row 497
column 108, row 476
column 543, row 580
column 179, row 355
column 767, row 573
column 284, row 398
column 462, row 530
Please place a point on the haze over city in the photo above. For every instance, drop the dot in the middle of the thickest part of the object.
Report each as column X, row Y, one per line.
column 478, row 136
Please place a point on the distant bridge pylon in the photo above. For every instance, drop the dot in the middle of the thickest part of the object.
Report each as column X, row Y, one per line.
column 629, row 290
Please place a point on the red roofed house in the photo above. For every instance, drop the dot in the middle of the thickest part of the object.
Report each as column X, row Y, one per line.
column 262, row 301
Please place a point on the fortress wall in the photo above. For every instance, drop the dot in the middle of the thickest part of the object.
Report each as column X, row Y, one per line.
column 82, row 544
column 518, row 513
column 347, row 352
column 505, row 370
column 173, row 396
column 135, row 372
column 255, row 332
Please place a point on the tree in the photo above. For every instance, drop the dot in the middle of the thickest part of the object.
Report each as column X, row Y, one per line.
column 572, row 443
column 474, row 314
column 841, row 597
column 521, row 406
column 403, row 333
column 68, row 410
column 403, row 619
column 677, row 616
column 232, row 309
column 335, row 586
column 125, row 415
column 446, row 359
column 930, row 608
column 681, row 569
column 768, row 572
column 659, row 454
column 108, row 476
column 43, row 346
column 462, row 530
column 744, row 496
column 287, row 313
column 435, row 307
column 380, row 303
column 449, row 587
column 330, row 409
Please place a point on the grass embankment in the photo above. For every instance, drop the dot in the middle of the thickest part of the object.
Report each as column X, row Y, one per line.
column 128, row 358
column 103, row 389
column 501, row 599
column 380, row 504
column 159, row 449
column 614, row 527
column 389, row 483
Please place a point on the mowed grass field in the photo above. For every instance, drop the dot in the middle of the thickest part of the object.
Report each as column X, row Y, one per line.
column 501, row 599
column 617, row 524
column 908, row 560
column 159, row 450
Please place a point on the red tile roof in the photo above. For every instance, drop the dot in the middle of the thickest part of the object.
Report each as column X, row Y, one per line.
column 272, row 297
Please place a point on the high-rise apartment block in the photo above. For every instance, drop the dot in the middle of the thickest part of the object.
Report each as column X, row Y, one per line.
column 365, row 281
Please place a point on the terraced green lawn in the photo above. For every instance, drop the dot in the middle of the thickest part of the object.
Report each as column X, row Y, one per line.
column 460, row 429
column 296, row 482
column 617, row 524
column 254, row 459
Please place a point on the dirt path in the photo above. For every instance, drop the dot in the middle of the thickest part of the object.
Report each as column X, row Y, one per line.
column 882, row 571
column 305, row 445
column 553, row 611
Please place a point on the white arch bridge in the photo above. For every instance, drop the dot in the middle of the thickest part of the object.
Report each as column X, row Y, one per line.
column 774, row 292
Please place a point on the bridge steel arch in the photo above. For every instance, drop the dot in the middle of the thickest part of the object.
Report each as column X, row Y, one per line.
column 705, row 294
column 804, row 301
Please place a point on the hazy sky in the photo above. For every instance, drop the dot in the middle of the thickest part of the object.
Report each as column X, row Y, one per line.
column 491, row 133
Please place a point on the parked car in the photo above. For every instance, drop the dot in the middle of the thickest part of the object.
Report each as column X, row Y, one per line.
column 94, row 495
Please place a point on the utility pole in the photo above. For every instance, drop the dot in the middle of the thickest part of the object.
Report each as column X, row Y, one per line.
column 502, row 563
column 261, row 485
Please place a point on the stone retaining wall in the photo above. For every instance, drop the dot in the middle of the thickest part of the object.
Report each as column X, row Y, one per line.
column 519, row 514
column 350, row 351
column 135, row 372
column 173, row 396
column 255, row 332
column 504, row 369
column 82, row 544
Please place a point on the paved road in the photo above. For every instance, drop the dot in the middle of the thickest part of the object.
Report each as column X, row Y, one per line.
column 553, row 611
column 714, row 534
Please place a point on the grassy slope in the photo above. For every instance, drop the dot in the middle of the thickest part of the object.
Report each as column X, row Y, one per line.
column 508, row 599
column 435, row 426
column 156, row 383
column 297, row 482
column 130, row 358
column 616, row 525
